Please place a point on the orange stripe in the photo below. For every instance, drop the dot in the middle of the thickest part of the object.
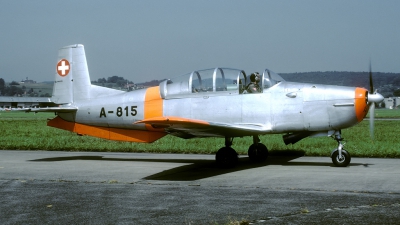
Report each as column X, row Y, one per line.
column 115, row 134
column 153, row 105
column 360, row 104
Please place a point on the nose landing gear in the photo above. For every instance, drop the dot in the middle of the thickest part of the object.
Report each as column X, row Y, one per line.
column 340, row 157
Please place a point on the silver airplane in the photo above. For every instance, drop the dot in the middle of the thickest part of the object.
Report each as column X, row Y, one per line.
column 206, row 103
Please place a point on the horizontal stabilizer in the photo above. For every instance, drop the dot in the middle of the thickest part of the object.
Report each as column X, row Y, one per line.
column 109, row 133
column 48, row 109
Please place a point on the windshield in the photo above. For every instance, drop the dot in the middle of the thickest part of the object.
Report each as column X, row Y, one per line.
column 270, row 79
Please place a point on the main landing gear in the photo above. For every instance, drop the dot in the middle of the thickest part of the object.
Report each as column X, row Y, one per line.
column 227, row 157
column 257, row 151
column 340, row 157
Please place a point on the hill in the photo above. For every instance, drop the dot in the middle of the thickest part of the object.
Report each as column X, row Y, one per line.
column 386, row 83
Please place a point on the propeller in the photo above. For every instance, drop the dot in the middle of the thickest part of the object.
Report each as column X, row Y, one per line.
column 371, row 119
column 373, row 97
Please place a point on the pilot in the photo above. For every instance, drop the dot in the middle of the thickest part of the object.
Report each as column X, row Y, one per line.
column 253, row 86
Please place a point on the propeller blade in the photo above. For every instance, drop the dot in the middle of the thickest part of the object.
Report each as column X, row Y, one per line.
column 373, row 95
column 371, row 119
column 371, row 84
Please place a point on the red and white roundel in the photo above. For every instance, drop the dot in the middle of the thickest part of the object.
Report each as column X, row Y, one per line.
column 63, row 67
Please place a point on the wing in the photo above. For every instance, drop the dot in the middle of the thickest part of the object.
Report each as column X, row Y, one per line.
column 190, row 128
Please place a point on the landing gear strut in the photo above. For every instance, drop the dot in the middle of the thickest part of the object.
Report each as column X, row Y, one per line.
column 257, row 151
column 340, row 157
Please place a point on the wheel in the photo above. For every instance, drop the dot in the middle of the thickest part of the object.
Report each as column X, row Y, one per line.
column 342, row 161
column 258, row 152
column 226, row 157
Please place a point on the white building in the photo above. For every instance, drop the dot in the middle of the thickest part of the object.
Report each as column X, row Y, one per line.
column 392, row 102
column 8, row 102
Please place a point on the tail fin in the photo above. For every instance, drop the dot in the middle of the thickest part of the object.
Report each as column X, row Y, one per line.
column 72, row 81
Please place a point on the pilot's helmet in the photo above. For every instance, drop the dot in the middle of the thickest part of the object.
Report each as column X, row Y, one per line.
column 255, row 77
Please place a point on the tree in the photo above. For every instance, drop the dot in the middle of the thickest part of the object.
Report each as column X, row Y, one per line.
column 2, row 86
column 102, row 80
column 14, row 91
column 14, row 83
column 396, row 81
column 396, row 93
column 113, row 79
column 121, row 83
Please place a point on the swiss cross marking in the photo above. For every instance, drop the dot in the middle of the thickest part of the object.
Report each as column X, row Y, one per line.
column 63, row 67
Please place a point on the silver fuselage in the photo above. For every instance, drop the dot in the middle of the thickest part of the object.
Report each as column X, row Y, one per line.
column 285, row 107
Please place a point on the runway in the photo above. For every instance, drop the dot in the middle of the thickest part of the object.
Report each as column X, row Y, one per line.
column 50, row 187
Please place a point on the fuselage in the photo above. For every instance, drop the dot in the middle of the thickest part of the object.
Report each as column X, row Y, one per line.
column 282, row 108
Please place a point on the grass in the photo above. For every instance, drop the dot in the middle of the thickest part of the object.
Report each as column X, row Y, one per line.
column 386, row 113
column 28, row 131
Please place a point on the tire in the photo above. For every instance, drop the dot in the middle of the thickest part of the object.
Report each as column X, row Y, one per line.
column 226, row 157
column 341, row 162
column 258, row 152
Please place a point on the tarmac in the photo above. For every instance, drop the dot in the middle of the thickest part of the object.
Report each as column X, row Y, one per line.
column 57, row 187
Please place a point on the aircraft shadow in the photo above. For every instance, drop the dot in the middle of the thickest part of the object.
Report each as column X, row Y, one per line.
column 199, row 169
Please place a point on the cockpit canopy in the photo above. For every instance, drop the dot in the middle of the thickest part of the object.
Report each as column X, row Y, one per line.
column 216, row 80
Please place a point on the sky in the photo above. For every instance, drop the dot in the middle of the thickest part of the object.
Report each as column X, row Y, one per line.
column 157, row 39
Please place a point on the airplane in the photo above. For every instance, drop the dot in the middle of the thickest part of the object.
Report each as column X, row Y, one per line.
column 207, row 103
